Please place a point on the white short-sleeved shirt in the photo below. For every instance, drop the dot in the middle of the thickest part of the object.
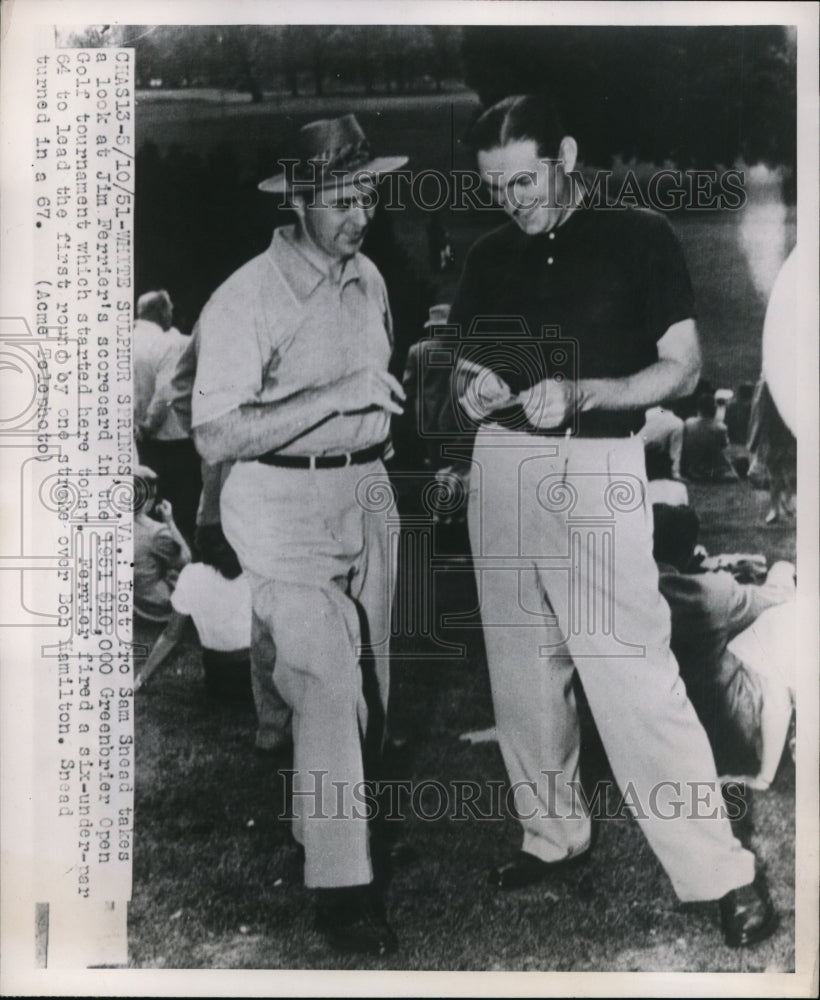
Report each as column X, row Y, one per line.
column 279, row 326
column 220, row 608
column 161, row 416
column 151, row 347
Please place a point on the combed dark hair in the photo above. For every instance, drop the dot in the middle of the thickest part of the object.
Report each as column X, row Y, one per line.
column 676, row 534
column 523, row 116
column 215, row 550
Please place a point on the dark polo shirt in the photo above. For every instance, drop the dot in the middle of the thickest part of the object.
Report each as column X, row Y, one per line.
column 588, row 300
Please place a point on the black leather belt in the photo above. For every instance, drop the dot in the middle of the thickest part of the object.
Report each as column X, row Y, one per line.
column 370, row 454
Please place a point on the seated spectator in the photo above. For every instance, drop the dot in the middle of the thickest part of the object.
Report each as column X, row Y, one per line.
column 215, row 594
column 160, row 551
column 662, row 435
column 705, row 441
column 744, row 709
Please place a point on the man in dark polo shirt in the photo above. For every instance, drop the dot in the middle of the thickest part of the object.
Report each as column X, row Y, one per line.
column 573, row 321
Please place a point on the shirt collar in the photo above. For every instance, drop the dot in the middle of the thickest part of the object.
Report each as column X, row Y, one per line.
column 302, row 271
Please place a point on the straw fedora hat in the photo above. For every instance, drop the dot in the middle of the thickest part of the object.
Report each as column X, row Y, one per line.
column 329, row 152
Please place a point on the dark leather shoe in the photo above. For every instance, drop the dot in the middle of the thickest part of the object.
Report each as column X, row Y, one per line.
column 353, row 921
column 525, row 869
column 747, row 915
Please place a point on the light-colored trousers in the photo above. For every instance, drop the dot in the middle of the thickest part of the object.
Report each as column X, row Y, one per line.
column 561, row 534
column 317, row 550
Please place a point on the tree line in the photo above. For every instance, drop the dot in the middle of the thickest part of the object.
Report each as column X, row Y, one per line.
column 298, row 58
column 696, row 96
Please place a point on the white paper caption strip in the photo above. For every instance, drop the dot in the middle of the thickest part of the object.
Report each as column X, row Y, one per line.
column 81, row 500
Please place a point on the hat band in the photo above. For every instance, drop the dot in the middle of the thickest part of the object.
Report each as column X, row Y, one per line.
column 333, row 161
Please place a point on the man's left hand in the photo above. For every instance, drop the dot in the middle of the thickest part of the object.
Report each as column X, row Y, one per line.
column 550, row 403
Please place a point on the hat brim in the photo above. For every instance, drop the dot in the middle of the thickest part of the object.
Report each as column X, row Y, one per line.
column 278, row 184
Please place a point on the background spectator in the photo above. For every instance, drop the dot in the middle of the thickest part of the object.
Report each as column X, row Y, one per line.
column 160, row 551
column 154, row 316
column 215, row 594
column 745, row 711
column 164, row 440
column 705, row 441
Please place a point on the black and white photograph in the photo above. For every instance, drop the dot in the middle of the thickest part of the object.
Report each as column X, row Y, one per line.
column 409, row 452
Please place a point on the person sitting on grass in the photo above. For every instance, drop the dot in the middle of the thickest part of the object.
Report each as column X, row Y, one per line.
column 215, row 594
column 743, row 699
column 160, row 551
column 705, row 444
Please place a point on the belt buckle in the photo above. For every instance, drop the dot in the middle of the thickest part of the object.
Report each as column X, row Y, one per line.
column 348, row 459
column 312, row 459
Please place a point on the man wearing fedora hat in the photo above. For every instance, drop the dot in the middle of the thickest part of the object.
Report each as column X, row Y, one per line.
column 292, row 384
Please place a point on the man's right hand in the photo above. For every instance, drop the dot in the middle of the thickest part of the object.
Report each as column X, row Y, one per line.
column 364, row 389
